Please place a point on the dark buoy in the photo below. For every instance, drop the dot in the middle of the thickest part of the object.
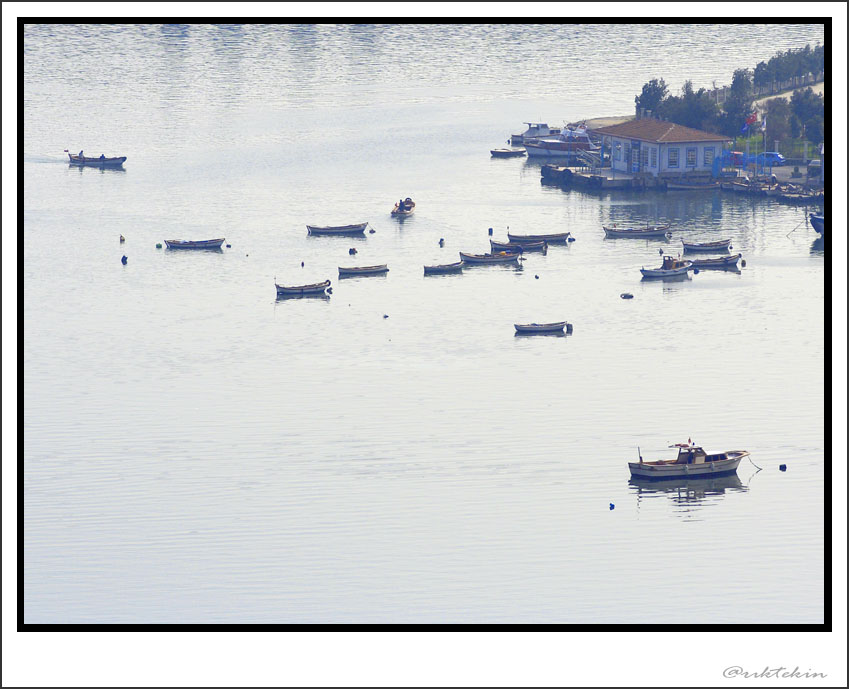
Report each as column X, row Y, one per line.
column 782, row 467
column 228, row 246
column 612, row 505
column 743, row 263
column 536, row 277
column 385, row 316
column 352, row 251
column 330, row 290
column 302, row 264
column 371, row 231
column 490, row 231
column 626, row 295
column 570, row 239
column 122, row 240
column 660, row 251
column 568, row 328
column 695, row 271
column 124, row 260
column 441, row 242
column 730, row 247
column 158, row 245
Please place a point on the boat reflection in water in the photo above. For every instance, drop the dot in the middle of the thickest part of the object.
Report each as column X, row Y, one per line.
column 687, row 493
column 818, row 246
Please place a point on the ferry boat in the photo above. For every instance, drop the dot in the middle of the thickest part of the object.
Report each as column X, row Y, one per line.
column 568, row 144
column 692, row 460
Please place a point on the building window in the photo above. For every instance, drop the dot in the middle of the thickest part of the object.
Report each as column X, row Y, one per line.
column 644, row 157
column 673, row 157
column 617, row 151
column 654, row 157
column 691, row 157
column 708, row 157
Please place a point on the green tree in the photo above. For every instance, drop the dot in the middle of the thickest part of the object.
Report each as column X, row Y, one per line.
column 652, row 94
column 778, row 116
column 809, row 111
column 738, row 103
column 694, row 109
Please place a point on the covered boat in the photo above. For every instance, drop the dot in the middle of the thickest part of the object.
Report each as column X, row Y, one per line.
column 671, row 267
column 194, row 244
column 718, row 245
column 532, row 238
column 514, row 247
column 359, row 228
column 818, row 222
column 102, row 161
column 648, row 231
column 506, row 153
column 317, row 288
column 404, row 208
column 692, row 460
column 363, row 270
column 569, row 144
column 690, row 186
column 720, row 262
column 444, row 268
column 535, row 130
column 532, row 328
column 500, row 257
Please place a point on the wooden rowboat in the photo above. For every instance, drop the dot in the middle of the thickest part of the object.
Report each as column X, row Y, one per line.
column 514, row 247
column 444, row 268
column 359, row 228
column 407, row 209
column 506, row 153
column 532, row 238
column 817, row 222
column 531, row 328
column 691, row 461
column 317, row 288
column 501, row 257
column 650, row 231
column 671, row 267
column 721, row 262
column 194, row 244
column 363, row 270
column 97, row 162
column 718, row 245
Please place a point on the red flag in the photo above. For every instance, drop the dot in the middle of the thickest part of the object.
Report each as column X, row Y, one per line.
column 751, row 119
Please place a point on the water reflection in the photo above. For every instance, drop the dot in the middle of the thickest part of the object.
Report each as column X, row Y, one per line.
column 818, row 246
column 687, row 493
column 295, row 297
column 99, row 168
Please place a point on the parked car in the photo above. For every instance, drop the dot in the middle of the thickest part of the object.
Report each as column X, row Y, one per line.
column 769, row 159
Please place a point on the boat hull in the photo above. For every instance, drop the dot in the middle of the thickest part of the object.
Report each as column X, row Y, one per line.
column 318, row 288
column 534, row 238
column 678, row 186
column 506, row 153
column 721, row 245
column 721, row 263
column 534, row 328
column 444, row 269
column 97, row 162
column 188, row 244
column 818, row 222
column 346, row 230
column 489, row 258
column 514, row 247
column 363, row 270
column 661, row 273
column 659, row 472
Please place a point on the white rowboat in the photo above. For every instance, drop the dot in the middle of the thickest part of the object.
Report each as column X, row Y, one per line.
column 691, row 461
column 317, row 288
column 359, row 228
column 718, row 245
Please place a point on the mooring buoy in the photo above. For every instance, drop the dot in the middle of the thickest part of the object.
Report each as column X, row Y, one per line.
column 743, row 263
column 612, row 505
column 782, row 467
column 122, row 238
column 626, row 295
column 124, row 260
column 158, row 245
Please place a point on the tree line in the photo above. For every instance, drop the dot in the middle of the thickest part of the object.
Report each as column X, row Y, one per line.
column 801, row 117
column 793, row 63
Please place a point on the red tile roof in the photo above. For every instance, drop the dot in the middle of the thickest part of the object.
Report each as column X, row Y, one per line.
column 658, row 131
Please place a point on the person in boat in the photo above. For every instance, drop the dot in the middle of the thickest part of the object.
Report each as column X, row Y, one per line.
column 81, row 154
column 400, row 204
column 102, row 157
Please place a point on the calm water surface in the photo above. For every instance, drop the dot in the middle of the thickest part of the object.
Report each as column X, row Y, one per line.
column 197, row 451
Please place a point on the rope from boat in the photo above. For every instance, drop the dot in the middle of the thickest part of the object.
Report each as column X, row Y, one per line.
column 753, row 464
column 797, row 227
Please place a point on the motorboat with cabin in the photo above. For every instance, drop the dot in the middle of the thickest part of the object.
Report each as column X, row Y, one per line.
column 670, row 267
column 535, row 130
column 568, row 144
column 692, row 460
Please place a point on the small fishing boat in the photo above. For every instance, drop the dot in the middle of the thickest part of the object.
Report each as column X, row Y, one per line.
column 363, row 270
column 570, row 144
column 500, row 257
column 404, row 209
column 533, row 238
column 359, row 228
column 818, row 222
column 102, row 161
column 690, row 186
column 648, row 231
column 532, row 328
column 444, row 268
column 514, row 247
column 317, row 288
column 194, row 244
column 718, row 245
column 671, row 267
column 692, row 460
column 721, row 262
column 506, row 153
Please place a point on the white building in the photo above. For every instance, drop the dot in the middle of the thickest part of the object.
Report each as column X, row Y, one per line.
column 661, row 148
